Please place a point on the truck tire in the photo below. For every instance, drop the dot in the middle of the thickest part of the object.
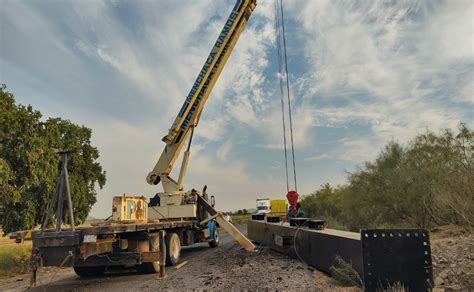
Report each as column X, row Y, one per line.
column 215, row 242
column 173, row 249
column 151, row 267
column 86, row 272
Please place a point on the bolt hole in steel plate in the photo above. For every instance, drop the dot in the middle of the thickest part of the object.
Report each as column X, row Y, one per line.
column 396, row 255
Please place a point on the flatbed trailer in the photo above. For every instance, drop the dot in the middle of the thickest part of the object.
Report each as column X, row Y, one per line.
column 93, row 250
column 146, row 245
column 145, row 234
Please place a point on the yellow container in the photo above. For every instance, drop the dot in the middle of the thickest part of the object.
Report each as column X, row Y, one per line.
column 125, row 208
column 278, row 206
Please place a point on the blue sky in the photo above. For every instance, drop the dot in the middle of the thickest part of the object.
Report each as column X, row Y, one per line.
column 361, row 74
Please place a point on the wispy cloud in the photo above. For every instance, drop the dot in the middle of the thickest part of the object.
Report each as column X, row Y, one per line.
column 361, row 74
column 317, row 157
column 397, row 67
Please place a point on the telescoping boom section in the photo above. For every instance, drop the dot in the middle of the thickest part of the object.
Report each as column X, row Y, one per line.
column 188, row 116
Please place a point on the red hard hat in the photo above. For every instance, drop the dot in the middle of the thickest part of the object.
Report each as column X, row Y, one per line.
column 292, row 197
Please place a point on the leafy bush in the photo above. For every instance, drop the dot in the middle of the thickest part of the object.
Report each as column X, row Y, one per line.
column 428, row 182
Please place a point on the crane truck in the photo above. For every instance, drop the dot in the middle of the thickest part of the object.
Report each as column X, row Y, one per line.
column 142, row 232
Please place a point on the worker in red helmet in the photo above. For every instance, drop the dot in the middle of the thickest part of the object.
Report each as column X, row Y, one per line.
column 294, row 211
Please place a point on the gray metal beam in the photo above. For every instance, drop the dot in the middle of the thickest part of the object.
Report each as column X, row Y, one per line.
column 382, row 257
column 318, row 248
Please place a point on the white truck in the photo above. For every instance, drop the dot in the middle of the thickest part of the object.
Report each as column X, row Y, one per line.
column 263, row 206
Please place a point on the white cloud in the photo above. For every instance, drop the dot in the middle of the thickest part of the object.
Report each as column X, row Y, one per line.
column 317, row 157
column 271, row 128
column 369, row 72
column 231, row 183
column 397, row 67
column 467, row 92
column 223, row 151
column 357, row 150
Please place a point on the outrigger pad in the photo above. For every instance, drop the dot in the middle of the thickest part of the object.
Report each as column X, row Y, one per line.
column 397, row 257
column 273, row 219
column 258, row 217
column 298, row 221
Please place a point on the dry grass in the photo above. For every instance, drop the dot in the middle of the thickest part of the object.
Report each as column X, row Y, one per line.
column 240, row 219
column 13, row 257
column 344, row 273
column 396, row 287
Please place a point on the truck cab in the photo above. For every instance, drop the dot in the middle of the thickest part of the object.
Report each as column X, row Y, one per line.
column 263, row 206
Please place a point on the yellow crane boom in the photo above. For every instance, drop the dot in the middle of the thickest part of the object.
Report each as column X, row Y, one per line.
column 188, row 117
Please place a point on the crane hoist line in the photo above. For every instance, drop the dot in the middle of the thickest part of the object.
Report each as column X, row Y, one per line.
column 283, row 72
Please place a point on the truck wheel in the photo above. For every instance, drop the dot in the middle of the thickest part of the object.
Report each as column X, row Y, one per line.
column 215, row 242
column 89, row 271
column 151, row 267
column 173, row 249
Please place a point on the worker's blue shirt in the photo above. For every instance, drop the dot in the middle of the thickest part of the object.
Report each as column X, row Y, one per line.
column 299, row 214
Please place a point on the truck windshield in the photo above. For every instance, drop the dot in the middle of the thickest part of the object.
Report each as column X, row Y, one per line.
column 262, row 208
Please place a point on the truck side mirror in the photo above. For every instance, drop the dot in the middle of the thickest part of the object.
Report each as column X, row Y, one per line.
column 213, row 201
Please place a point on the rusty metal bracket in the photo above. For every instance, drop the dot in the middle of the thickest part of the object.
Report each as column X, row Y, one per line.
column 150, row 256
column 100, row 246
column 162, row 249
column 35, row 263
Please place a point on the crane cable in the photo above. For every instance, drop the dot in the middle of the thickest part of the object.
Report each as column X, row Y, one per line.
column 280, row 31
column 277, row 31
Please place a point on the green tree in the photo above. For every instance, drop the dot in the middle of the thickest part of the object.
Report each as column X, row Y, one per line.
column 428, row 182
column 378, row 195
column 442, row 165
column 326, row 203
column 321, row 203
column 29, row 165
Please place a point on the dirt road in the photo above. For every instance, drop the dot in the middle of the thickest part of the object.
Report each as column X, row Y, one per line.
column 225, row 267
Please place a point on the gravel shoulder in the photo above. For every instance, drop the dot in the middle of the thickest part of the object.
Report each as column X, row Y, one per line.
column 452, row 252
column 230, row 267
column 223, row 268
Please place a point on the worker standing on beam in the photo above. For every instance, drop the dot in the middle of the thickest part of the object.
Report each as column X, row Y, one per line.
column 294, row 210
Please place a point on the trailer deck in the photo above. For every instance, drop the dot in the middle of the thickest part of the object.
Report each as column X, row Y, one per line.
column 106, row 229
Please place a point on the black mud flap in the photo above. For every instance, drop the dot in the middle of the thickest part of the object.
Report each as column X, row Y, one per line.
column 396, row 257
